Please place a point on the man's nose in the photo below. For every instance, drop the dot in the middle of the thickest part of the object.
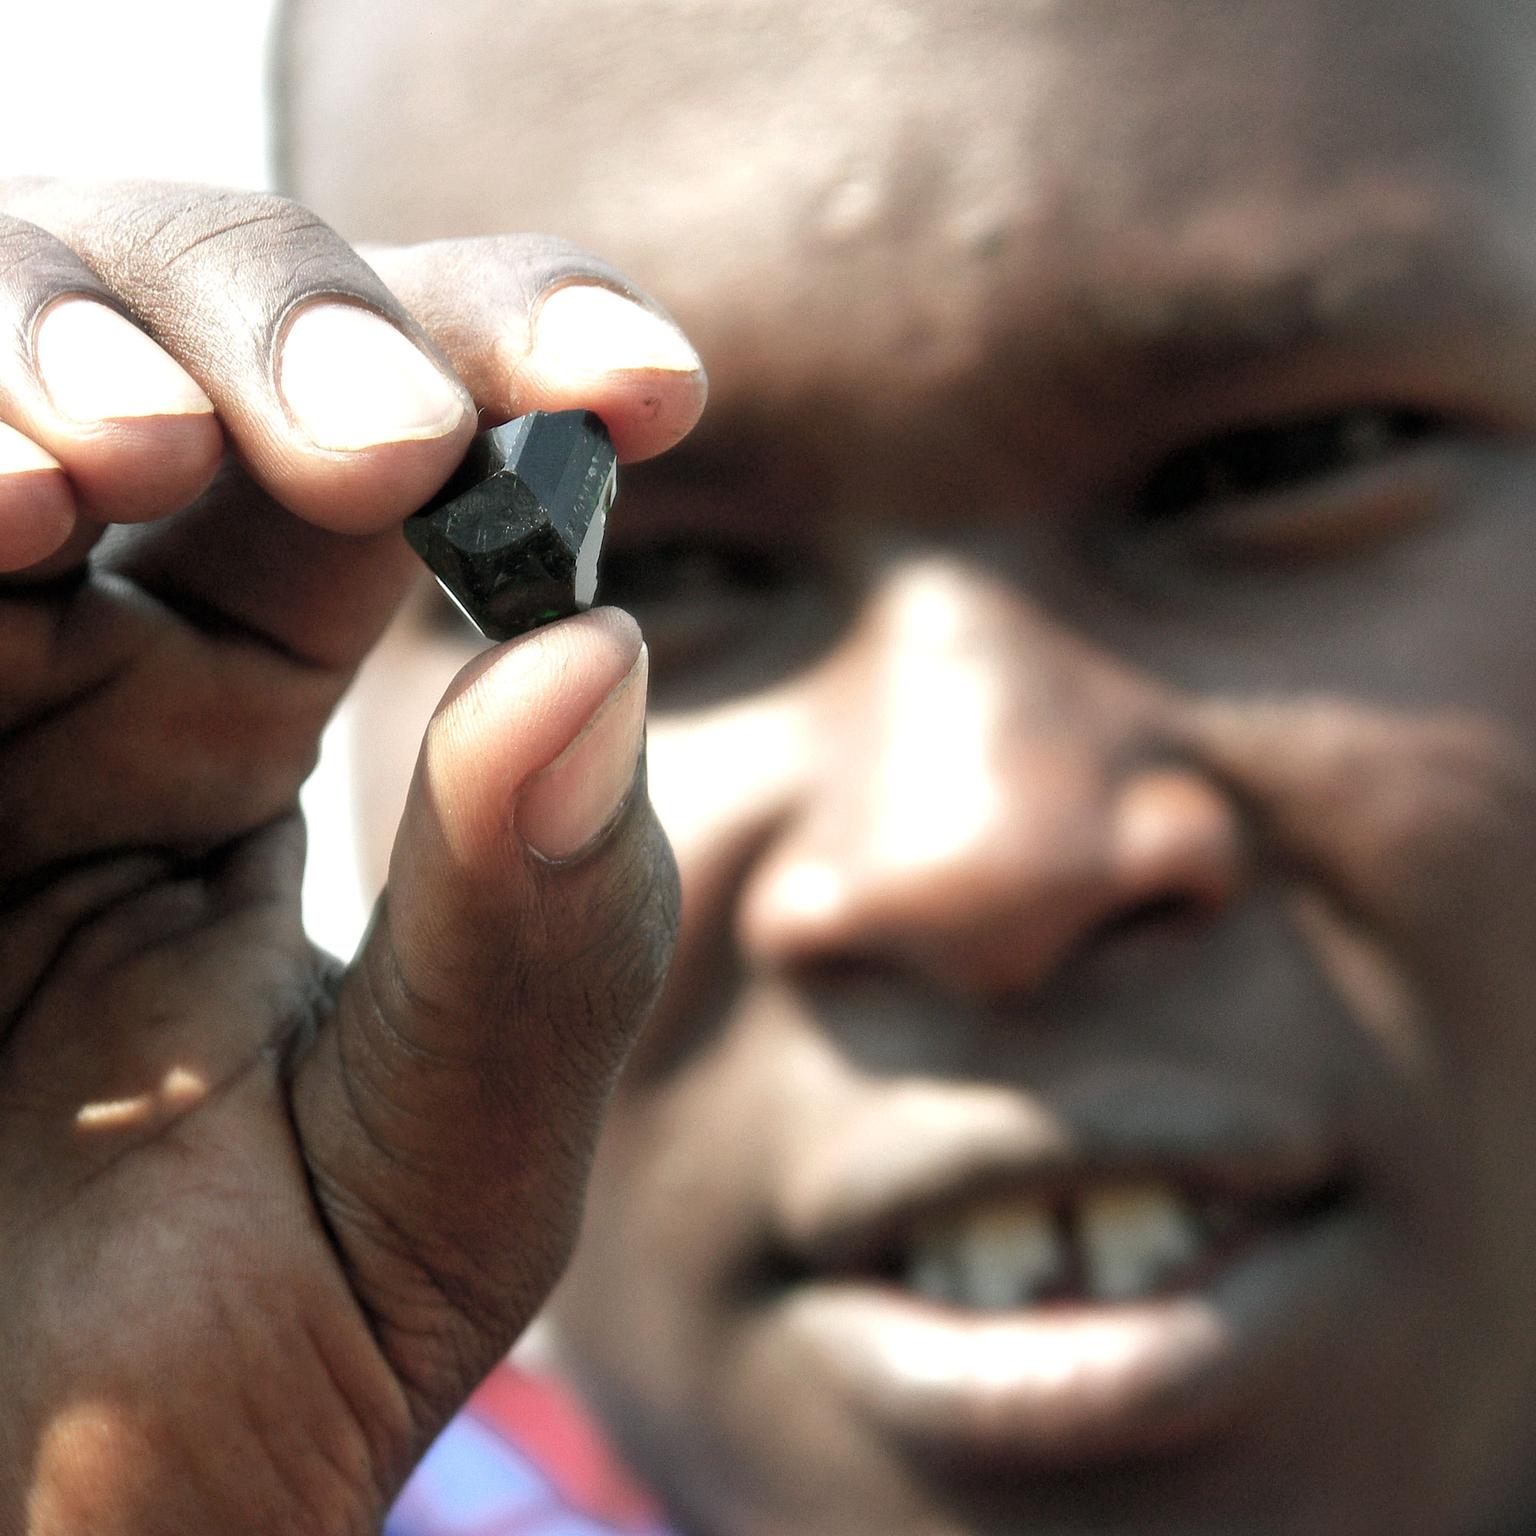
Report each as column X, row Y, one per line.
column 990, row 797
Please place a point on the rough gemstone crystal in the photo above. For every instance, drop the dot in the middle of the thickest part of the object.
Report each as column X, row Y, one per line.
column 514, row 536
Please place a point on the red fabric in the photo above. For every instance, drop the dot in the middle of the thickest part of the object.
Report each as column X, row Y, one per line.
column 548, row 1421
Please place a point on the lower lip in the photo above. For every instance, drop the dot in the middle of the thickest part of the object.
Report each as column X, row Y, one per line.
column 1064, row 1386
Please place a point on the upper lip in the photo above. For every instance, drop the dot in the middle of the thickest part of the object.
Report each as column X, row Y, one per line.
column 857, row 1212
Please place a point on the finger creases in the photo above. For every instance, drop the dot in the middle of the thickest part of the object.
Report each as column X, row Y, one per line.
column 450, row 1104
column 532, row 323
column 121, row 419
column 334, row 398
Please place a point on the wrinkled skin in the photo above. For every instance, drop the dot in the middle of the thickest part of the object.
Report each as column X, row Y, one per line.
column 265, row 1220
column 1057, row 785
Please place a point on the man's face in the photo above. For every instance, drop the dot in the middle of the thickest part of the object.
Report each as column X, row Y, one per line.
column 1095, row 712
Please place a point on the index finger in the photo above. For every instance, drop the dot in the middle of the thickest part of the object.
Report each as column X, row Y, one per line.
column 530, row 323
column 337, row 402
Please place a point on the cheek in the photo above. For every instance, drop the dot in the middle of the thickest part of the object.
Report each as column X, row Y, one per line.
column 1412, row 839
column 718, row 777
column 1420, row 827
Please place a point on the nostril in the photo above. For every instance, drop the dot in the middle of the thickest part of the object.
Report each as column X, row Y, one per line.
column 1171, row 916
column 1177, row 852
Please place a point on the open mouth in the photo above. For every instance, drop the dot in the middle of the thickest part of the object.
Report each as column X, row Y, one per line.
column 1070, row 1283
column 1099, row 1242
column 1112, row 1243
column 1109, row 1314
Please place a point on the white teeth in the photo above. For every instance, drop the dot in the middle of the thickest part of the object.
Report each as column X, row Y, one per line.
column 1009, row 1256
column 1129, row 1238
column 1132, row 1238
column 992, row 1259
column 934, row 1271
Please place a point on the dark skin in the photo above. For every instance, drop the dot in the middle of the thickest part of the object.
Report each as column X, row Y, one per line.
column 1096, row 728
column 1058, row 817
column 267, row 1220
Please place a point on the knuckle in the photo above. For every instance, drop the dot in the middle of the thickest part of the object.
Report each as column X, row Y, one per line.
column 210, row 272
column 36, row 268
column 537, row 252
column 23, row 246
column 501, row 268
column 547, row 262
column 155, row 238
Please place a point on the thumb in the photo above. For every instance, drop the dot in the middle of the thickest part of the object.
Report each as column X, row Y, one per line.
column 448, row 1108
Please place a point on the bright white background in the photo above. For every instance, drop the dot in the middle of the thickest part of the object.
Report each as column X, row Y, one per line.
column 111, row 88
column 104, row 89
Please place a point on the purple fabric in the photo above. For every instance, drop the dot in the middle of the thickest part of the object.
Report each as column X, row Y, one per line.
column 490, row 1473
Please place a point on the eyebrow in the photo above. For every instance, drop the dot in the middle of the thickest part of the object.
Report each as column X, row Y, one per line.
column 1385, row 283
column 1418, row 298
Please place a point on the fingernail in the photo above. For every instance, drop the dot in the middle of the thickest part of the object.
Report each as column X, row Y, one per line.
column 351, row 381
column 98, row 365
column 586, row 329
column 565, row 809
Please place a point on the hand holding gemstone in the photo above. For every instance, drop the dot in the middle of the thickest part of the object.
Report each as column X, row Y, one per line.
column 446, row 1088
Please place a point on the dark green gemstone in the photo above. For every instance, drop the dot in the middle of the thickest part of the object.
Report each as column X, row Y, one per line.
column 514, row 536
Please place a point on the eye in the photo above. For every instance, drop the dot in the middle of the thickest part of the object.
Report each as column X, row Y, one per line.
column 703, row 598
column 1258, row 463
column 717, row 612
column 682, row 572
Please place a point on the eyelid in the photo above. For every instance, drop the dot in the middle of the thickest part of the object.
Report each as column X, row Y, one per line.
column 680, row 566
column 1332, row 516
column 1286, row 456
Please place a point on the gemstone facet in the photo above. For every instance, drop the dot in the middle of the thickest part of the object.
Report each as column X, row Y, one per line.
column 513, row 537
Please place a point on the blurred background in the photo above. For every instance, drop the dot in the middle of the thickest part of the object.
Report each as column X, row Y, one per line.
column 169, row 88
column 172, row 89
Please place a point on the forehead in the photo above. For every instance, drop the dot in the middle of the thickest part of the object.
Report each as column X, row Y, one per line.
column 841, row 183
column 819, row 118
